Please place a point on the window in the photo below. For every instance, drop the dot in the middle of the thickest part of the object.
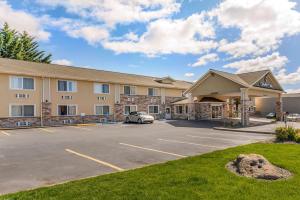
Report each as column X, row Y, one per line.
column 22, row 111
column 153, row 109
column 66, row 86
column 186, row 109
column 129, row 109
column 101, row 110
column 67, row 110
column 21, row 83
column 179, row 109
column 153, row 91
column 101, row 88
column 129, row 90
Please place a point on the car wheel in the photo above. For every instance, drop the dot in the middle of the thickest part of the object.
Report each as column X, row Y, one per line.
column 140, row 121
column 127, row 120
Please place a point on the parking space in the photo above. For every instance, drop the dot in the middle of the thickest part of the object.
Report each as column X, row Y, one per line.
column 37, row 157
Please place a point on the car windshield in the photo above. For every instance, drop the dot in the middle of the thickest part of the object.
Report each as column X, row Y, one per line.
column 142, row 113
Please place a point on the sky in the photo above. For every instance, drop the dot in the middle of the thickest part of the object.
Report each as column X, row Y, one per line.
column 178, row 38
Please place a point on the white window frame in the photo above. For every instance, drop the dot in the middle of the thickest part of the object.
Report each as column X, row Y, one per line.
column 157, row 92
column 136, row 109
column 68, row 81
column 15, row 104
column 95, row 91
column 67, row 109
column 131, row 86
column 157, row 109
column 11, row 87
column 102, row 106
column 222, row 111
column 175, row 111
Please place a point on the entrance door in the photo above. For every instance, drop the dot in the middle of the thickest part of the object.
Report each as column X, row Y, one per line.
column 168, row 113
column 216, row 112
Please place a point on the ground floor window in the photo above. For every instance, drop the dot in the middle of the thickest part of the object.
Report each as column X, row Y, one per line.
column 153, row 109
column 67, row 110
column 101, row 110
column 216, row 112
column 22, row 110
column 129, row 108
column 179, row 109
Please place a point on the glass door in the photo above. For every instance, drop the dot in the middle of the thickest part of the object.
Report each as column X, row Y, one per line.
column 216, row 112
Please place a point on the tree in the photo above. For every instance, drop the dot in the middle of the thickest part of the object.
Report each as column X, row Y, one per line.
column 20, row 46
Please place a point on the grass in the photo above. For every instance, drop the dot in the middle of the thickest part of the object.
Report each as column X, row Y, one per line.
column 199, row 177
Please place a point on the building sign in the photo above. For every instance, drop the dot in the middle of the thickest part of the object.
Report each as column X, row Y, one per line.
column 265, row 84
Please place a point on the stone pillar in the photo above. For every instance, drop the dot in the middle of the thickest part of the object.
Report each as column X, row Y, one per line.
column 191, row 107
column 230, row 108
column 244, row 107
column 46, row 113
column 278, row 108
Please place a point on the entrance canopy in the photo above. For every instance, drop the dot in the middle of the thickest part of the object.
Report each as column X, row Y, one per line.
column 224, row 86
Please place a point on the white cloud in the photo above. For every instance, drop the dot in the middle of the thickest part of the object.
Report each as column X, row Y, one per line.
column 165, row 36
column 189, row 74
column 22, row 21
column 62, row 62
column 113, row 12
column 288, row 78
column 93, row 34
column 205, row 59
column 273, row 62
column 263, row 24
column 293, row 90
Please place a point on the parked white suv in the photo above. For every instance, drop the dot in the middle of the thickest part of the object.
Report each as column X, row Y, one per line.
column 139, row 117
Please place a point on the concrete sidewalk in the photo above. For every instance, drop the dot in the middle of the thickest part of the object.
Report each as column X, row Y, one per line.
column 263, row 129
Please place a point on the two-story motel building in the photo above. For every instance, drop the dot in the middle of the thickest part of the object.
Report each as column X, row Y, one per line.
column 34, row 94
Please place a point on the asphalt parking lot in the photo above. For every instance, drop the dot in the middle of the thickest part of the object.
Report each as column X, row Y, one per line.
column 37, row 157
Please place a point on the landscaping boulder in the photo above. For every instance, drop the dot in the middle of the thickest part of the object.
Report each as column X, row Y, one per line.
column 257, row 166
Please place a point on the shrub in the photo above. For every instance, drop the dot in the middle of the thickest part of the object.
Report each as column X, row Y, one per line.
column 287, row 134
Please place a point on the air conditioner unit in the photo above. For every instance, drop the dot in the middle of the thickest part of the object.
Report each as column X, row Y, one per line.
column 102, row 98
column 22, row 96
column 67, row 97
column 103, row 120
column 23, row 124
column 67, row 121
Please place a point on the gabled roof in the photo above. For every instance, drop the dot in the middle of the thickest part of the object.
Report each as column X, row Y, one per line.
column 247, row 80
column 18, row 67
column 252, row 77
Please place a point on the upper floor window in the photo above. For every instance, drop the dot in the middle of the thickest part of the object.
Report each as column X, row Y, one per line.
column 101, row 88
column 129, row 90
column 153, row 91
column 66, row 86
column 21, row 83
column 22, row 110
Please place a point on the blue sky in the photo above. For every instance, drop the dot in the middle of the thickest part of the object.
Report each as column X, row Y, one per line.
column 182, row 39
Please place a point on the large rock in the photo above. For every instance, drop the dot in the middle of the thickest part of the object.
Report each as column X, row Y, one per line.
column 257, row 166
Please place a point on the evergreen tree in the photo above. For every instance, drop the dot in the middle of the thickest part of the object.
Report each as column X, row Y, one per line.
column 20, row 46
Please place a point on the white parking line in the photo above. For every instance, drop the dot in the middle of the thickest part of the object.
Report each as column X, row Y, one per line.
column 155, row 150
column 95, row 160
column 191, row 143
column 215, row 138
column 5, row 133
column 46, row 130
column 82, row 128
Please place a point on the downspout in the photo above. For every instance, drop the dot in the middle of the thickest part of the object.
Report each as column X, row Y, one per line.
column 41, row 107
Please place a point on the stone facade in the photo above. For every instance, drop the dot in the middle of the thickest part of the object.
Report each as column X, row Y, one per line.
column 142, row 102
column 12, row 122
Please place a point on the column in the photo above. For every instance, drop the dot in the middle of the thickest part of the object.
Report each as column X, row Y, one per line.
column 278, row 108
column 244, row 107
column 191, row 107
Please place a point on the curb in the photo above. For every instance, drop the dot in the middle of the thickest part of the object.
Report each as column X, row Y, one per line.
column 244, row 131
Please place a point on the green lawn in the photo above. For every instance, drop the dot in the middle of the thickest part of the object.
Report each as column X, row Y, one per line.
column 199, row 177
